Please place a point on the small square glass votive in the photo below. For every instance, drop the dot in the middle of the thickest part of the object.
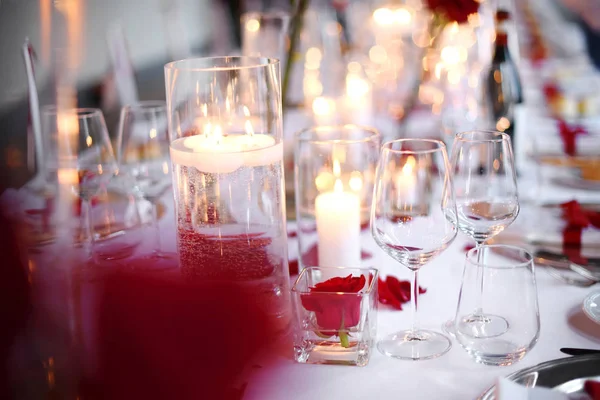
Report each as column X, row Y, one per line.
column 335, row 315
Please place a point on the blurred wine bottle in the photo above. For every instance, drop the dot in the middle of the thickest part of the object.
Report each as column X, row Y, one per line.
column 503, row 85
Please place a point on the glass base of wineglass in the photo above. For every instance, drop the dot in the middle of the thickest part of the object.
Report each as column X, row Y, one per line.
column 479, row 325
column 157, row 261
column 414, row 345
column 448, row 328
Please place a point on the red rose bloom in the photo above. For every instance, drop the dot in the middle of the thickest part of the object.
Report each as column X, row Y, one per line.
column 454, row 10
column 336, row 304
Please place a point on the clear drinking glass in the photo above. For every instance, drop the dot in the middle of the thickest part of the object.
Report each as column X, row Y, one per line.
column 81, row 157
column 487, row 199
column 510, row 294
column 413, row 219
column 225, row 127
column 334, row 327
column 143, row 154
column 334, row 178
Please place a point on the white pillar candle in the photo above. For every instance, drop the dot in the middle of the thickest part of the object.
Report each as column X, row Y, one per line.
column 221, row 154
column 338, row 228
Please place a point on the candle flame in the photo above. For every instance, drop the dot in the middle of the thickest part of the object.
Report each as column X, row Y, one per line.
column 218, row 134
column 165, row 167
column 337, row 169
column 249, row 129
column 68, row 176
column 253, row 25
column 383, row 16
column 313, row 58
column 323, row 106
column 355, row 182
column 338, row 187
column 356, row 87
column 324, row 181
column 207, row 129
column 407, row 169
column 246, row 111
column 46, row 26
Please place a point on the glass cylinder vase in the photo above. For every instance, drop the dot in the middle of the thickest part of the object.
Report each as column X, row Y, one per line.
column 334, row 177
column 225, row 124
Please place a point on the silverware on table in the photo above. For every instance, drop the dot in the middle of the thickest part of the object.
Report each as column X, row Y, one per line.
column 560, row 267
column 578, row 352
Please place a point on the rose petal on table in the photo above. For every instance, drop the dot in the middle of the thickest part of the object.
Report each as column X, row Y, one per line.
column 468, row 247
column 394, row 292
column 293, row 266
column 593, row 389
column 386, row 297
column 292, row 234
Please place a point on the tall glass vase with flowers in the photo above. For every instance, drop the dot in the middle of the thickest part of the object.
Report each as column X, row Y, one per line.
column 438, row 61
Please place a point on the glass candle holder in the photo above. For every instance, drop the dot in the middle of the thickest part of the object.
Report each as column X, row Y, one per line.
column 334, row 177
column 335, row 315
column 226, row 149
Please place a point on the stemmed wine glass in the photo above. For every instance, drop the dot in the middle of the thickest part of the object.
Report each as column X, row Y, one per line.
column 79, row 153
column 487, row 202
column 413, row 219
column 143, row 154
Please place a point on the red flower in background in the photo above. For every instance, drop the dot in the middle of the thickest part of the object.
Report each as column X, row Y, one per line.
column 453, row 10
column 336, row 304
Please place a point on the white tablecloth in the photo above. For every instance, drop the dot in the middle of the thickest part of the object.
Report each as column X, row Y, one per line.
column 452, row 376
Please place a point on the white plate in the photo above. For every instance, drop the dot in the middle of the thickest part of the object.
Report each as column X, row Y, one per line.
column 591, row 307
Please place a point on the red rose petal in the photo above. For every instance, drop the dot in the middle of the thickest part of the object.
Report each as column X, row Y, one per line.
column 394, row 292
column 334, row 310
column 386, row 297
column 293, row 266
column 468, row 247
column 593, row 389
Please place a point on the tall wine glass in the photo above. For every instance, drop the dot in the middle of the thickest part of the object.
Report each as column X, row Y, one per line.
column 410, row 221
column 143, row 154
column 487, row 202
column 79, row 152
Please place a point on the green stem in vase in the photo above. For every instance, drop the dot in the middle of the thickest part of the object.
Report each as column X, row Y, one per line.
column 343, row 335
column 295, row 30
column 344, row 339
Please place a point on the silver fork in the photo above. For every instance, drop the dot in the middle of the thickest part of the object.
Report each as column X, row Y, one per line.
column 580, row 282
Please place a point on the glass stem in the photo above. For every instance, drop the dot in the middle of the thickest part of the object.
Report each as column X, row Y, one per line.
column 480, row 274
column 155, row 228
column 86, row 219
column 414, row 300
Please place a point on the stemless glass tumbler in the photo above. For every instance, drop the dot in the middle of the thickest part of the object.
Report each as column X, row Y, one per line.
column 334, row 176
column 224, row 116
column 411, row 220
column 510, row 294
